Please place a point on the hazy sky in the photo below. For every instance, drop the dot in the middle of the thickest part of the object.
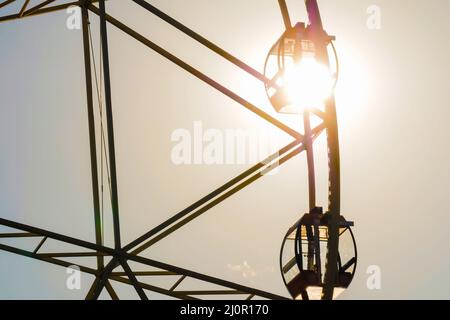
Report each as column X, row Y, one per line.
column 393, row 108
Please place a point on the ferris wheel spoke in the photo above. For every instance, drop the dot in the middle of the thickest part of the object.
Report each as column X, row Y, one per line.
column 5, row 3
column 285, row 14
column 202, row 40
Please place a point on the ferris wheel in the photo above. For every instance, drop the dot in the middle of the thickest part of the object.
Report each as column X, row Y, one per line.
column 318, row 254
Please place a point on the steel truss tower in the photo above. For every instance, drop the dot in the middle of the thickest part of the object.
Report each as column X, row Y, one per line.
column 120, row 254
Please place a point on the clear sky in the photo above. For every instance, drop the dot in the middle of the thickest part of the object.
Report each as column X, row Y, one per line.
column 393, row 108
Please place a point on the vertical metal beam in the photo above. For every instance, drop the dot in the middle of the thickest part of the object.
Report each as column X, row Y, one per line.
column 92, row 140
column 333, row 157
column 308, row 142
column 110, row 125
column 334, row 199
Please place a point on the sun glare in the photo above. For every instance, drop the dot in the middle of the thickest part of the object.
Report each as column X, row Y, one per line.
column 308, row 84
column 300, row 85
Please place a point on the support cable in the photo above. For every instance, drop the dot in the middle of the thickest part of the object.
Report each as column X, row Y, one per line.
column 103, row 154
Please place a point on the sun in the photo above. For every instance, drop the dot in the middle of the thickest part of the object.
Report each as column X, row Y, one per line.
column 308, row 84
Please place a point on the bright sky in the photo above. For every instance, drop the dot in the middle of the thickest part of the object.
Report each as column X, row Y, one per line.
column 393, row 111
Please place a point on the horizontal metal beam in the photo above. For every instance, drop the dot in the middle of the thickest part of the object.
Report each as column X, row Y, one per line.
column 147, row 273
column 18, row 235
column 91, row 271
column 210, row 292
column 114, row 276
column 147, row 286
column 57, row 236
column 200, row 276
column 33, row 255
column 72, row 254
column 40, row 11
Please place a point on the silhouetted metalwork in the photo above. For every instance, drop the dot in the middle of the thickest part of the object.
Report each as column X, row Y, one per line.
column 302, row 255
column 120, row 255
